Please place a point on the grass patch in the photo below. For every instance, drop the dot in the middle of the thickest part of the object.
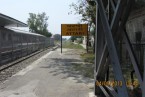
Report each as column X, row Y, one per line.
column 71, row 45
column 88, row 57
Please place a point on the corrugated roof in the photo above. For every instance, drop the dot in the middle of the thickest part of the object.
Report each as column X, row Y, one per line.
column 10, row 22
column 24, row 32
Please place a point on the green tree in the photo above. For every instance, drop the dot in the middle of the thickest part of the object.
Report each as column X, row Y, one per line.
column 87, row 10
column 72, row 38
column 38, row 24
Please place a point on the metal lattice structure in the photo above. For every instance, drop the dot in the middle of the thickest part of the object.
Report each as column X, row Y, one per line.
column 112, row 16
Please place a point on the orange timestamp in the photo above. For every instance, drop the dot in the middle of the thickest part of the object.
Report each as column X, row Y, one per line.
column 116, row 83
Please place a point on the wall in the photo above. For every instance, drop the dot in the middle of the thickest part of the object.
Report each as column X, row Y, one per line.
column 136, row 23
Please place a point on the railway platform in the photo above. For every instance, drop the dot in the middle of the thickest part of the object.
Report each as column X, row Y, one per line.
column 49, row 76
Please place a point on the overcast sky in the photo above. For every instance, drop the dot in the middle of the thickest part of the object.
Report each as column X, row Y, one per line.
column 57, row 10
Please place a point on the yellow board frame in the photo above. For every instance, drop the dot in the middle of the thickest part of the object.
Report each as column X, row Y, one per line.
column 74, row 29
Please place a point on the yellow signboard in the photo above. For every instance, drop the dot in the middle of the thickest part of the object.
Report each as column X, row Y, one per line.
column 74, row 29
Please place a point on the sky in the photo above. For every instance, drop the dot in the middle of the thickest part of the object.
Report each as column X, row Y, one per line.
column 57, row 10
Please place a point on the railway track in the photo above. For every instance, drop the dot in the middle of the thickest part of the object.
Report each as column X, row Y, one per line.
column 10, row 69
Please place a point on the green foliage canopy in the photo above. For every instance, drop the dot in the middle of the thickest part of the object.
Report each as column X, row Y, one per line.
column 38, row 24
column 86, row 10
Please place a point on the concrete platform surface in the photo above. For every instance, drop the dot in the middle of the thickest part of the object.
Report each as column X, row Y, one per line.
column 49, row 76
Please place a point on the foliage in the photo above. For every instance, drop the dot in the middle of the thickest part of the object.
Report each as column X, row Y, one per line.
column 72, row 38
column 87, row 11
column 38, row 24
column 92, row 30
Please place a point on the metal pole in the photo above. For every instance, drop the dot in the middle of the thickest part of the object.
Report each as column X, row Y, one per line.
column 61, row 38
column 0, row 47
column 108, row 9
column 143, row 90
column 122, row 91
column 87, row 40
column 61, row 43
column 95, row 90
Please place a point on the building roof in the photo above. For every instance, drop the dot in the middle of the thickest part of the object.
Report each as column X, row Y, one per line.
column 10, row 22
column 24, row 32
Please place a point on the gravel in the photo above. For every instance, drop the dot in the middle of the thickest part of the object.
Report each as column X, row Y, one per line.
column 6, row 73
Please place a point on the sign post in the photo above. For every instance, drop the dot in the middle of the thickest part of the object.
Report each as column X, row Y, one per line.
column 74, row 30
column 61, row 38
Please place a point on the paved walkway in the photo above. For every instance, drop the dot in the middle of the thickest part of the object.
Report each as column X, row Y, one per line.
column 50, row 76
